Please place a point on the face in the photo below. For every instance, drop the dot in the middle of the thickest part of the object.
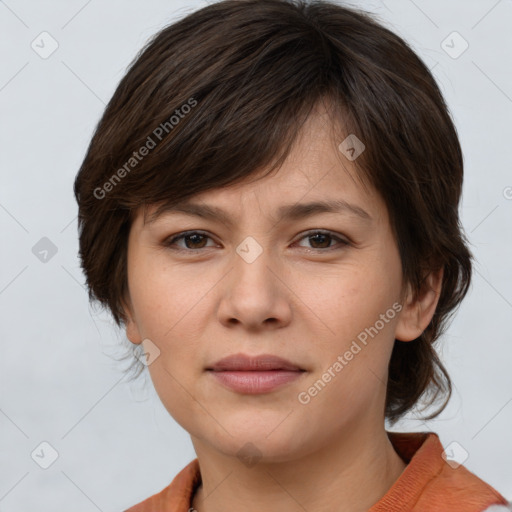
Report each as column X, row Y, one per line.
column 320, row 290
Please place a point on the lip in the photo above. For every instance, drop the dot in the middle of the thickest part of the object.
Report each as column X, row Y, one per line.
column 243, row 362
column 254, row 374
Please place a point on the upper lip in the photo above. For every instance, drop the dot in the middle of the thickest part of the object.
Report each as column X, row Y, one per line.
column 244, row 362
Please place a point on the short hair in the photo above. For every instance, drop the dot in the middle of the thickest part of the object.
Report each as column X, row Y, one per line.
column 222, row 94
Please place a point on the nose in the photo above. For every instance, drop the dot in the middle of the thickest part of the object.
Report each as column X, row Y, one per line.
column 255, row 294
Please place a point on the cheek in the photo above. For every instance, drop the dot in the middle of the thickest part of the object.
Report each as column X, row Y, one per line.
column 355, row 316
column 176, row 392
column 172, row 311
column 168, row 306
column 165, row 299
column 345, row 300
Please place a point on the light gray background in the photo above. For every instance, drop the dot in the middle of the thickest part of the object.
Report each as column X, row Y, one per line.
column 116, row 443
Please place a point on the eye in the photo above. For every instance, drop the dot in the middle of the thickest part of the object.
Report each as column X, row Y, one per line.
column 196, row 240
column 321, row 240
column 193, row 240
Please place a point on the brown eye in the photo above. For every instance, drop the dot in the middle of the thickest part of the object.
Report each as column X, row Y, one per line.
column 320, row 240
column 196, row 240
column 193, row 240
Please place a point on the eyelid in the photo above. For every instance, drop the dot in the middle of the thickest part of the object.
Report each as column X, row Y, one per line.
column 339, row 238
column 343, row 241
column 178, row 236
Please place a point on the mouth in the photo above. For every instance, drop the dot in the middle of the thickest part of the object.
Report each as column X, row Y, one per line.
column 254, row 374
column 246, row 363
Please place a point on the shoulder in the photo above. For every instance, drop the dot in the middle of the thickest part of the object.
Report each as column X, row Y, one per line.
column 434, row 482
column 177, row 496
column 456, row 485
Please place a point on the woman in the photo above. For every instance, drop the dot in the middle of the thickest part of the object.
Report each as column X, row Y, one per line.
column 269, row 207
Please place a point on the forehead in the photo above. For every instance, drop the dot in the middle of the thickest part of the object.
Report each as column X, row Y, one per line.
column 316, row 170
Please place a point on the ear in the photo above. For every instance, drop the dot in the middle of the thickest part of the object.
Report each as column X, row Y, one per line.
column 132, row 330
column 418, row 311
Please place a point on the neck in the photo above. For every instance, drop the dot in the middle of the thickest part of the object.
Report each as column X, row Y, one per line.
column 348, row 475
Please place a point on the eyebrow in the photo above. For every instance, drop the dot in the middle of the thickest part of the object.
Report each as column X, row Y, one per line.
column 288, row 212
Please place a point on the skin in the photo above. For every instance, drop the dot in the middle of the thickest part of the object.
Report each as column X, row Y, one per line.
column 294, row 301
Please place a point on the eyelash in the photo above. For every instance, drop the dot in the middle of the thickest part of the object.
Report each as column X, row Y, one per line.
column 173, row 239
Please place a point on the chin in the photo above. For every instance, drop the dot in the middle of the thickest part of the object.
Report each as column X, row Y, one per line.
column 253, row 443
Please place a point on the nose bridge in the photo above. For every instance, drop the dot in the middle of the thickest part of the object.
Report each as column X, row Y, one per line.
column 252, row 264
column 253, row 294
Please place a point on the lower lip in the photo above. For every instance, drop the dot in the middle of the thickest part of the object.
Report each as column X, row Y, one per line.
column 255, row 382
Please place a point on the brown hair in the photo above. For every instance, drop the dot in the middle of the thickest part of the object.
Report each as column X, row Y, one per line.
column 222, row 94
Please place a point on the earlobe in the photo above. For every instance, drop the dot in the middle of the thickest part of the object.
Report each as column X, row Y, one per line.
column 132, row 330
column 418, row 311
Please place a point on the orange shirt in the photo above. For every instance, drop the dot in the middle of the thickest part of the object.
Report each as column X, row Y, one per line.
column 427, row 484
